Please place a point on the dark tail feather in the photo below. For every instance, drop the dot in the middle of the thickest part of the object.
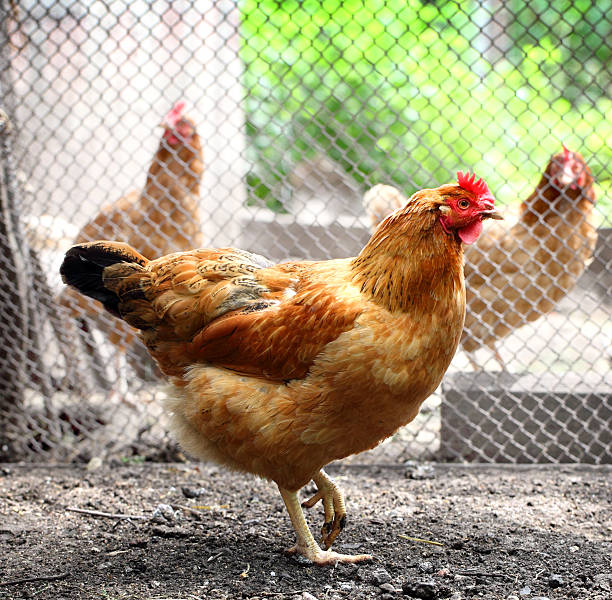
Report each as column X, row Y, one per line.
column 84, row 265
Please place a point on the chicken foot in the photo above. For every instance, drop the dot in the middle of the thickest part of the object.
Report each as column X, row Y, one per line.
column 333, row 505
column 306, row 545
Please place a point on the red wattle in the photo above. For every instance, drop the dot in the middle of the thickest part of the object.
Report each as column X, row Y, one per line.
column 469, row 234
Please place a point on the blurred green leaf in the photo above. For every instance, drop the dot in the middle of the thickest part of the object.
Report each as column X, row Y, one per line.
column 400, row 91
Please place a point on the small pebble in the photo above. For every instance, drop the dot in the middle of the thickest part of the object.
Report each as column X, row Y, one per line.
column 308, row 596
column 426, row 567
column 425, row 589
column 190, row 492
column 421, row 472
column 163, row 513
column 380, row 576
column 94, row 464
column 387, row 587
column 525, row 591
column 555, row 581
column 301, row 560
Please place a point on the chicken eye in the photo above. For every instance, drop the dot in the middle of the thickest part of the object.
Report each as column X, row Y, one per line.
column 463, row 204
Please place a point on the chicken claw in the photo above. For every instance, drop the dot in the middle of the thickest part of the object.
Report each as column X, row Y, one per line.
column 333, row 505
column 324, row 558
column 306, row 545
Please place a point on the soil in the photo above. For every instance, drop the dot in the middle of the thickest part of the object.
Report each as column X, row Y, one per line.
column 436, row 531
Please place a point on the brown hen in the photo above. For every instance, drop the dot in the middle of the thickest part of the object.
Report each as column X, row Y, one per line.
column 279, row 369
column 520, row 271
column 161, row 218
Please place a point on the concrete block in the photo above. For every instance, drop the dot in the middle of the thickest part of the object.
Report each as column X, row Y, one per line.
column 531, row 418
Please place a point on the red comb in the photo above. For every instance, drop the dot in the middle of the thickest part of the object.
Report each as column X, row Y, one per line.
column 469, row 183
column 566, row 153
column 174, row 116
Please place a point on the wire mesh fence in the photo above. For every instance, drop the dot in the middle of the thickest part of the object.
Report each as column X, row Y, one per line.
column 293, row 112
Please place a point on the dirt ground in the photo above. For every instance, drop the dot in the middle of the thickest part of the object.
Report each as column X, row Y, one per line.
column 199, row 532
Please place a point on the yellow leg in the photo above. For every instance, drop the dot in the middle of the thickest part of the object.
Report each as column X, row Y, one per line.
column 333, row 505
column 473, row 362
column 498, row 358
column 306, row 544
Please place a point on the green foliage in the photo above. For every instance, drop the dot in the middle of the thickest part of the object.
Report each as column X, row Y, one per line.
column 398, row 91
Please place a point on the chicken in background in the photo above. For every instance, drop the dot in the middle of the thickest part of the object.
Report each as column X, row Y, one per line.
column 520, row 270
column 278, row 370
column 380, row 201
column 524, row 270
column 161, row 218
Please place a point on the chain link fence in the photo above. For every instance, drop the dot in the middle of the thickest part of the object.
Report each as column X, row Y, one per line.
column 300, row 108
